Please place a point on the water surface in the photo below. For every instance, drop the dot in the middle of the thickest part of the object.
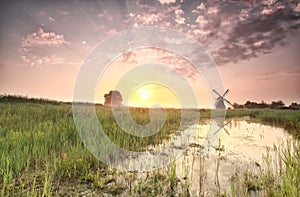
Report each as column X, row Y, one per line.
column 243, row 148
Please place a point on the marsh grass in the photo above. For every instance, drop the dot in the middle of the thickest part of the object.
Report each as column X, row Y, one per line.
column 43, row 155
column 287, row 119
column 277, row 176
column 141, row 117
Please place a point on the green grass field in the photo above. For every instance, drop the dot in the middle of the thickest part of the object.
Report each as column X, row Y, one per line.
column 43, row 155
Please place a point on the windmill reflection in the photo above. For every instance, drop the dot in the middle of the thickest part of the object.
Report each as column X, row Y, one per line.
column 218, row 123
column 221, row 123
column 220, row 105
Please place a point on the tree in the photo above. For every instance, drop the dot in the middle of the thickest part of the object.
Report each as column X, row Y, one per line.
column 254, row 105
column 277, row 104
column 237, row 106
column 113, row 98
column 263, row 105
column 294, row 106
column 250, row 105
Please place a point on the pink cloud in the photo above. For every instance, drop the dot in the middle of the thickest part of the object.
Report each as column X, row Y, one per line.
column 258, row 43
column 267, row 11
column 297, row 8
column 201, row 6
column 51, row 18
column 111, row 32
column 179, row 12
column 269, row 2
column 167, row 1
column 34, row 60
column 180, row 20
column 201, row 21
column 40, row 37
column 212, row 10
column 148, row 19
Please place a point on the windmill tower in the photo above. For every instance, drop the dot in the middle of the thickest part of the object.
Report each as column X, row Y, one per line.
column 220, row 100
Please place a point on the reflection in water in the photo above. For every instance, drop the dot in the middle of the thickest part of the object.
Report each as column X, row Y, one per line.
column 207, row 150
column 213, row 132
column 242, row 150
column 221, row 124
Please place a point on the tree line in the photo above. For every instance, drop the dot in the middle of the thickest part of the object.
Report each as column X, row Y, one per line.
column 262, row 105
column 114, row 97
column 24, row 99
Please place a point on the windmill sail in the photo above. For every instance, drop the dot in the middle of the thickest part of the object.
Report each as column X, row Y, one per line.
column 220, row 100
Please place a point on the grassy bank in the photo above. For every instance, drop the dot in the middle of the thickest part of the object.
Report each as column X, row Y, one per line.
column 287, row 119
column 42, row 154
column 278, row 175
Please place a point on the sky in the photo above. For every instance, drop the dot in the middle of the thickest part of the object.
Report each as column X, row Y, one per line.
column 254, row 44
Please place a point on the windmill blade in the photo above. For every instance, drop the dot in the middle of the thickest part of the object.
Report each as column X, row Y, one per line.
column 218, row 130
column 225, row 128
column 217, row 93
column 222, row 127
column 227, row 123
column 225, row 93
column 226, row 131
column 227, row 101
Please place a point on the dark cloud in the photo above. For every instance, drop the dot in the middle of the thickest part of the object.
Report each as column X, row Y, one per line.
column 231, row 30
column 259, row 34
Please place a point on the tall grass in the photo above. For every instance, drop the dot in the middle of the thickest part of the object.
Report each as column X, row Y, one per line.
column 42, row 154
column 141, row 117
column 41, row 151
column 39, row 144
column 278, row 176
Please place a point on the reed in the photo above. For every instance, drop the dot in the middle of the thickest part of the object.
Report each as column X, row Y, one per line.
column 42, row 154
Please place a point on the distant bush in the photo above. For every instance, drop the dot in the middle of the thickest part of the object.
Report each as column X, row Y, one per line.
column 25, row 99
column 262, row 105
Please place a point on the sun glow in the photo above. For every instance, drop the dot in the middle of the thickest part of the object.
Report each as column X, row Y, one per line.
column 144, row 94
column 150, row 95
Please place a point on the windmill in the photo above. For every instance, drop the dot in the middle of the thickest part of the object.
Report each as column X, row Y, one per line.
column 221, row 125
column 218, row 120
column 220, row 100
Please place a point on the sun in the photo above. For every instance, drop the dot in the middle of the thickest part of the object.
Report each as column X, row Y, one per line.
column 144, row 94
